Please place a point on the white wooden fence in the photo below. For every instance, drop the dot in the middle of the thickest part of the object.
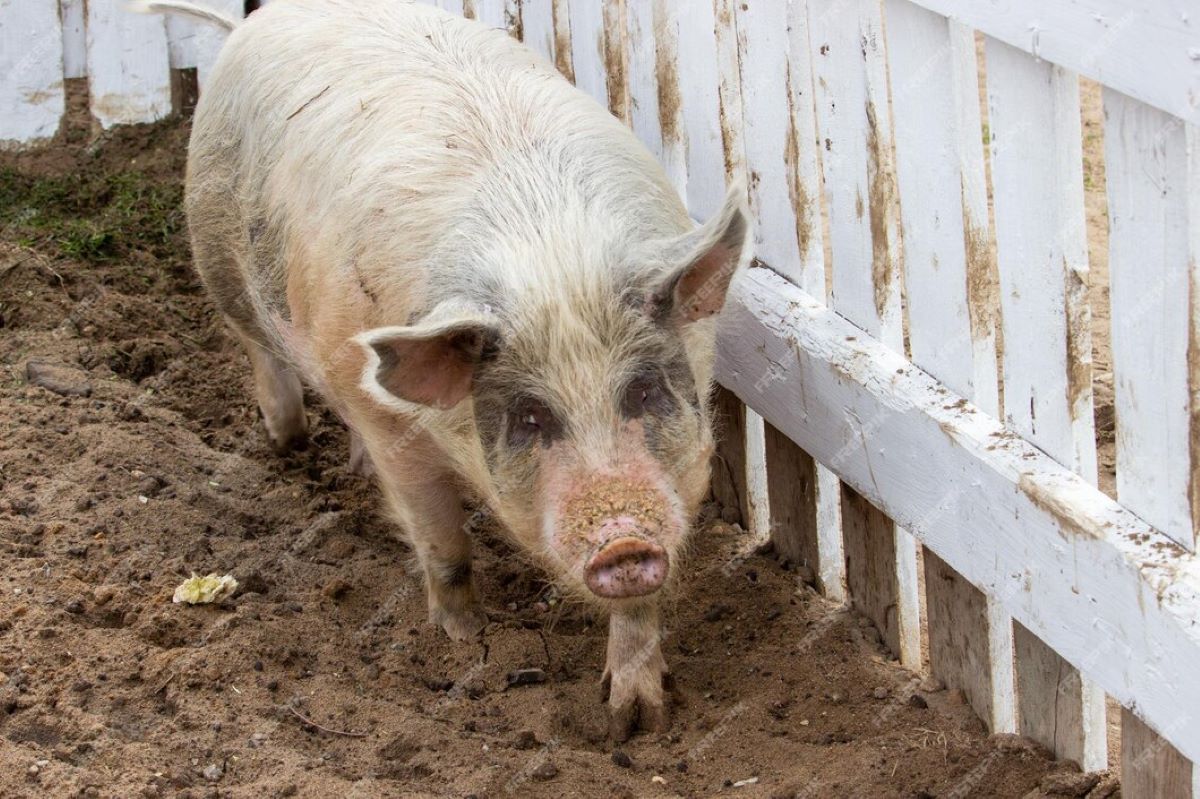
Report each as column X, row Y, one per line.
column 867, row 453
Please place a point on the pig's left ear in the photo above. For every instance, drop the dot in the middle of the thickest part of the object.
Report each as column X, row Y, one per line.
column 706, row 261
column 431, row 363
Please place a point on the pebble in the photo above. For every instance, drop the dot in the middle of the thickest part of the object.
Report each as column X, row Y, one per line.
column 917, row 701
column 212, row 772
column 620, row 758
column 74, row 607
column 526, row 677
column 657, row 780
column 103, row 594
column 545, row 771
column 880, row 693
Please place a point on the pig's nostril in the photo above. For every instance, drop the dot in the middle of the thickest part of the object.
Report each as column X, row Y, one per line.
column 626, row 567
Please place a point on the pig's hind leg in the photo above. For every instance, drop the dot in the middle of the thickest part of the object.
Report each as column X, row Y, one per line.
column 279, row 390
column 635, row 671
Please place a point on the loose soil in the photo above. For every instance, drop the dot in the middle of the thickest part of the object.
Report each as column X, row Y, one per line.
column 144, row 461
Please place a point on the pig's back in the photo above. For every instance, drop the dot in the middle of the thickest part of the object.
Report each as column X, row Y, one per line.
column 373, row 149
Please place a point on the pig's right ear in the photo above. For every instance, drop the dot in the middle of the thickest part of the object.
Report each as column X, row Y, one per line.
column 430, row 363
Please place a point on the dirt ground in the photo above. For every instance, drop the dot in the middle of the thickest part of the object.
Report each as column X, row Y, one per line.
column 138, row 458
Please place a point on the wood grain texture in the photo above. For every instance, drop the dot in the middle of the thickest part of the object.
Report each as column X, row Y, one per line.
column 1113, row 596
column 1146, row 50
column 1042, row 259
column 871, row 577
column 31, row 71
column 854, row 129
column 128, row 65
column 792, row 492
column 537, row 27
column 698, row 80
column 729, row 461
column 940, row 173
column 1150, row 767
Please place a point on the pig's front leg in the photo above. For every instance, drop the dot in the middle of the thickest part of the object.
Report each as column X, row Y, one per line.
column 429, row 507
column 634, row 672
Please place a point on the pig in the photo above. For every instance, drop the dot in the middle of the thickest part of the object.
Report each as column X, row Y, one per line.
column 489, row 279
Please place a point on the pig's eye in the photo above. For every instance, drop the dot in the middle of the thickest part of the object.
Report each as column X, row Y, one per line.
column 531, row 420
column 646, row 393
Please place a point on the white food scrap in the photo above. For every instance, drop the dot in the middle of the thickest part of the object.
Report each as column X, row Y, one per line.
column 198, row 590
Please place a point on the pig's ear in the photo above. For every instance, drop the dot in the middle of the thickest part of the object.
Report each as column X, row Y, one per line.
column 705, row 262
column 431, row 363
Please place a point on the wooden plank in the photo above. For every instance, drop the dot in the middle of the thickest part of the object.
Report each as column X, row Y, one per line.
column 1114, row 596
column 454, row 7
column 564, row 59
column 792, row 493
column 1146, row 50
column 503, row 15
column 1152, row 178
column 128, row 65
column 940, row 173
column 1042, row 258
column 729, row 460
column 537, row 26
column 31, row 72
column 74, row 38
column 871, row 576
column 1151, row 767
column 587, row 48
column 1153, row 284
column 758, row 506
column 856, row 149
column 698, row 80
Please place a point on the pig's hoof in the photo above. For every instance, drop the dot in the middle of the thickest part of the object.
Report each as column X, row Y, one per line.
column 634, row 708
column 643, row 714
column 460, row 625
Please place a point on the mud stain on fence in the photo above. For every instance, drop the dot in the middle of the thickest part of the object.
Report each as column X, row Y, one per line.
column 983, row 282
column 610, row 43
column 666, row 74
column 797, row 194
column 562, row 39
column 881, row 201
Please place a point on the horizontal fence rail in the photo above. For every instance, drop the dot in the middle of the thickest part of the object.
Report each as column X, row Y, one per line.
column 908, row 369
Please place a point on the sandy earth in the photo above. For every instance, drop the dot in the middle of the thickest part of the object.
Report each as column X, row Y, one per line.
column 139, row 459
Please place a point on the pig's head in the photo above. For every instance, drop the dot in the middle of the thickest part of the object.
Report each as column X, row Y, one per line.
column 589, row 393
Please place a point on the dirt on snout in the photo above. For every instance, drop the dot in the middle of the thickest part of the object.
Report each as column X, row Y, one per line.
column 132, row 456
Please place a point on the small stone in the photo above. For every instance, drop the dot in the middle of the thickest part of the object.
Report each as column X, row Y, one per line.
column 74, row 607
column 103, row 594
column 257, row 740
column 545, row 771
column 620, row 758
column 526, row 739
column 731, row 515
column 657, row 780
column 336, row 588
column 62, row 380
column 1069, row 783
column 213, row 772
column 526, row 677
column 917, row 701
column 931, row 685
column 880, row 693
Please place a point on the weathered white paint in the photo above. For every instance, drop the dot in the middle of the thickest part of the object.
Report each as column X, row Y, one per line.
column 854, row 129
column 128, row 65
column 537, row 26
column 504, row 15
column 31, row 71
column 642, row 81
column 1146, row 50
column 1042, row 258
column 1153, row 281
column 74, row 38
column 1153, row 192
column 1114, row 596
column 939, row 148
column 698, row 81
column 759, row 523
column 195, row 43
column 453, row 6
column 587, row 48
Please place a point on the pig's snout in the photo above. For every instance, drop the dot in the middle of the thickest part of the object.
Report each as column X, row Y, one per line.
column 626, row 567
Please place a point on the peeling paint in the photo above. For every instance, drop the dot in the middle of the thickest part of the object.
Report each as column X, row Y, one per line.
column 611, row 46
column 983, row 280
column 1079, row 343
column 562, row 40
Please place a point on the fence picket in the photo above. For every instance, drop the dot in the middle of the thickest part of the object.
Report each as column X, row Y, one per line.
column 940, row 169
column 855, row 136
column 1042, row 258
column 74, row 38
column 31, row 72
column 1153, row 181
column 128, row 65
column 537, row 26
